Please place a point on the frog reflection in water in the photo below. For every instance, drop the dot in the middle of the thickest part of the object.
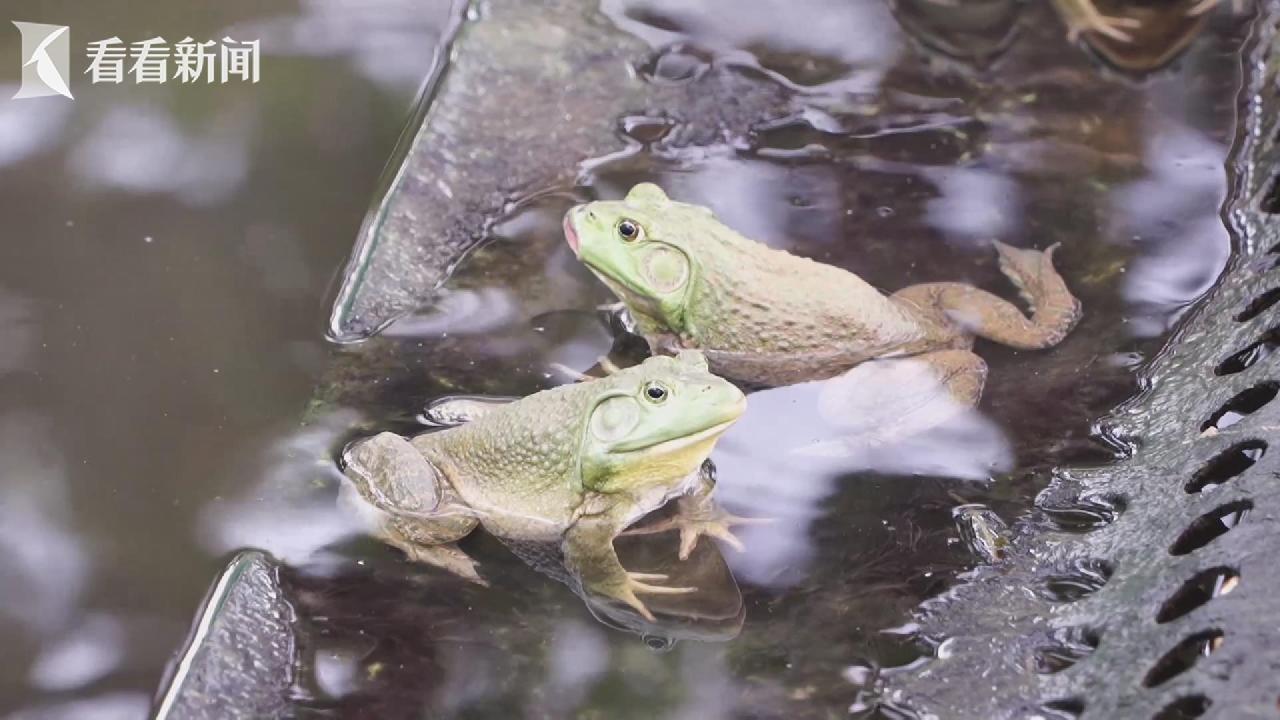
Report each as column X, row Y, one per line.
column 767, row 317
column 1085, row 16
column 573, row 465
column 1136, row 36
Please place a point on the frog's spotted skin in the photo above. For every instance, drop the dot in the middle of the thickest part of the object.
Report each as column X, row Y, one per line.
column 575, row 464
column 767, row 317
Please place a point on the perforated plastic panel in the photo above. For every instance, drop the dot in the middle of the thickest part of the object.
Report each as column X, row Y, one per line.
column 1150, row 588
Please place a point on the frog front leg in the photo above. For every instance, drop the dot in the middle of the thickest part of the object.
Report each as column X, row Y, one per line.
column 697, row 514
column 408, row 504
column 590, row 556
column 1083, row 16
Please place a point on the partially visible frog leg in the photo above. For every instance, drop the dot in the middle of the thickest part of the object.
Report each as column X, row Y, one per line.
column 961, row 372
column 453, row 410
column 696, row 515
column 604, row 362
column 1204, row 6
column 1083, row 16
column 408, row 504
column 1054, row 310
column 589, row 555
column 432, row 542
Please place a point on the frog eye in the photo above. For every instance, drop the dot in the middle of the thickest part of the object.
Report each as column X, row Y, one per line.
column 656, row 392
column 628, row 230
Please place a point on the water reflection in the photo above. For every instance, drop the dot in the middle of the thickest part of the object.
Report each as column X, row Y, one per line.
column 975, row 32
column 794, row 450
column 730, row 186
column 578, row 656
column 975, row 205
column 17, row 331
column 1135, row 37
column 86, row 654
column 1171, row 213
column 391, row 42
column 1138, row 37
column 463, row 311
column 167, row 248
column 104, row 706
column 279, row 513
column 850, row 51
column 139, row 149
column 44, row 565
column 28, row 128
column 714, row 612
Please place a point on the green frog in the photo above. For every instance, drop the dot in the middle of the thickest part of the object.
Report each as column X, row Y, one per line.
column 766, row 317
column 574, row 465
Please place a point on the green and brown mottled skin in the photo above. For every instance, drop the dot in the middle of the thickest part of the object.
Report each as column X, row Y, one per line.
column 764, row 316
column 574, row 464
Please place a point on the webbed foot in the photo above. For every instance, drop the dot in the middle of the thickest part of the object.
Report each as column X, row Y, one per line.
column 1083, row 16
column 1026, row 269
column 636, row 584
column 446, row 557
column 693, row 526
column 1055, row 311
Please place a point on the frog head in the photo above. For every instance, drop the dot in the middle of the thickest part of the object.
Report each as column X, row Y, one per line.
column 655, row 423
column 642, row 248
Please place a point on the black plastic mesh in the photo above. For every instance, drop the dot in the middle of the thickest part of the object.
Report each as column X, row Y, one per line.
column 1150, row 588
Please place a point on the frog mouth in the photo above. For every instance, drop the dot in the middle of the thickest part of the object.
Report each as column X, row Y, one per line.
column 571, row 235
column 680, row 443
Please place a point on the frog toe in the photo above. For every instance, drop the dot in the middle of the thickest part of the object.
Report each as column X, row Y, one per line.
column 1026, row 269
column 448, row 557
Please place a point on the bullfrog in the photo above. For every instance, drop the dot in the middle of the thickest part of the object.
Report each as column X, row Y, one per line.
column 573, row 465
column 1137, row 35
column 765, row 317
column 1085, row 16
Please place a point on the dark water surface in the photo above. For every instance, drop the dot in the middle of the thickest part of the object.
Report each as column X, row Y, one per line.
column 162, row 296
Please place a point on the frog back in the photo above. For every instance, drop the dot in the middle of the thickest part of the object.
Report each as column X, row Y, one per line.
column 520, row 461
column 749, row 298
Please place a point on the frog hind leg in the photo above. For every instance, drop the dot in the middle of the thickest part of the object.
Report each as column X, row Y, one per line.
column 961, row 372
column 408, row 504
column 1054, row 310
column 432, row 542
